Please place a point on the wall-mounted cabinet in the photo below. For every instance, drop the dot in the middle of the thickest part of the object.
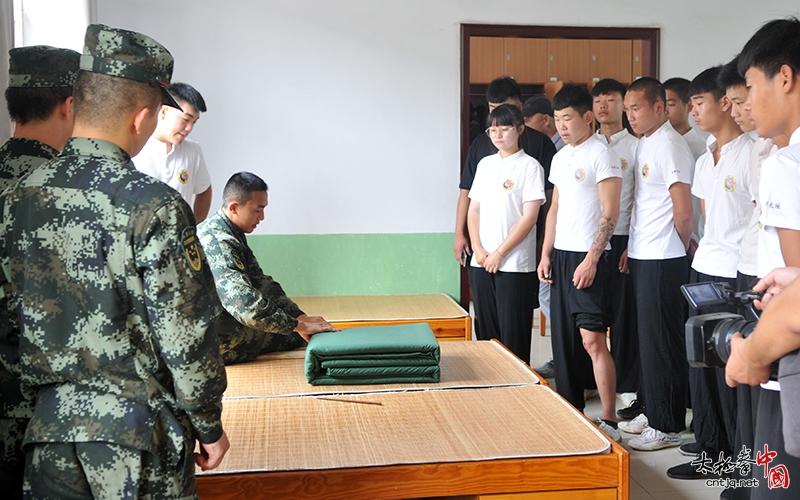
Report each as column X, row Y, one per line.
column 486, row 58
column 610, row 59
column 526, row 59
column 535, row 61
column 567, row 60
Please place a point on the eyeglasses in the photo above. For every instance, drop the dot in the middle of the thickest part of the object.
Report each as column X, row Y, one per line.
column 495, row 131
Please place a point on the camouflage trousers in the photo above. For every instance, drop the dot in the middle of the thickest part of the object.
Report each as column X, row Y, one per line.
column 244, row 344
column 105, row 470
column 12, row 458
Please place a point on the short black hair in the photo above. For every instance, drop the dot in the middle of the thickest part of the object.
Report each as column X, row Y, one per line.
column 678, row 85
column 653, row 89
column 609, row 86
column 706, row 82
column 185, row 92
column 502, row 89
column 27, row 104
column 773, row 45
column 573, row 96
column 505, row 115
column 106, row 101
column 241, row 186
column 729, row 75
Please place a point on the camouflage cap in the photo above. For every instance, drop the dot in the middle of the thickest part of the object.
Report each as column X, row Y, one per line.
column 42, row 66
column 127, row 54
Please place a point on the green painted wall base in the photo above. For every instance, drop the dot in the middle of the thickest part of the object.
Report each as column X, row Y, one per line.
column 359, row 264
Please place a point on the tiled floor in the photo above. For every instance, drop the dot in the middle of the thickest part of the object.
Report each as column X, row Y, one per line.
column 648, row 468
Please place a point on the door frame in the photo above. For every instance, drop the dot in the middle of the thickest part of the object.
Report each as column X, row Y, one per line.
column 651, row 50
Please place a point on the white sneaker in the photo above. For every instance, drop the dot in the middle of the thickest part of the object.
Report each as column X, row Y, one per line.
column 635, row 426
column 612, row 432
column 653, row 439
column 626, row 397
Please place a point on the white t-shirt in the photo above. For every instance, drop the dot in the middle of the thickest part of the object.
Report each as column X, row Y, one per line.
column 780, row 196
column 698, row 144
column 727, row 191
column 662, row 160
column 183, row 168
column 501, row 186
column 624, row 145
column 576, row 171
column 748, row 254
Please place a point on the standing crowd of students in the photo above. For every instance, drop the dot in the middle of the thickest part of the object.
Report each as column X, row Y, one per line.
column 629, row 216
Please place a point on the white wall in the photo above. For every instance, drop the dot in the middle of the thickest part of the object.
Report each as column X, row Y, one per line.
column 6, row 42
column 350, row 109
column 60, row 23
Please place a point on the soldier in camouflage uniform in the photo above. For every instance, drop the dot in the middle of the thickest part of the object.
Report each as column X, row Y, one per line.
column 116, row 302
column 39, row 101
column 258, row 317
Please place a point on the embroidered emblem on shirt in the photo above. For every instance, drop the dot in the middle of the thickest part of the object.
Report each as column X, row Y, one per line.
column 624, row 163
column 238, row 261
column 580, row 175
column 191, row 249
column 645, row 170
column 183, row 176
column 730, row 184
column 508, row 185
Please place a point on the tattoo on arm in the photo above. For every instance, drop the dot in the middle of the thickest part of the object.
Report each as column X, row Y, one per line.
column 603, row 233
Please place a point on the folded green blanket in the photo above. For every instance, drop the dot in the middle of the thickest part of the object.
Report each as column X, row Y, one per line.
column 373, row 355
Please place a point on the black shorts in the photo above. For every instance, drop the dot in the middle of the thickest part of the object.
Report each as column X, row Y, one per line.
column 589, row 307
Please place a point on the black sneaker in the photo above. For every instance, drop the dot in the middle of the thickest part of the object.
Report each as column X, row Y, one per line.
column 690, row 450
column 688, row 471
column 634, row 410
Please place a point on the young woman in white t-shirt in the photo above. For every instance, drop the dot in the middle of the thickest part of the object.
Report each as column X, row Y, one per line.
column 504, row 204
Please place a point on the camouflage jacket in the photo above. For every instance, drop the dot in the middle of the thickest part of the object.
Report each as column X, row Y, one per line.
column 116, row 304
column 17, row 158
column 253, row 301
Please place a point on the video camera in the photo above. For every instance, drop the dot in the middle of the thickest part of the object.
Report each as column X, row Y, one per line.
column 708, row 336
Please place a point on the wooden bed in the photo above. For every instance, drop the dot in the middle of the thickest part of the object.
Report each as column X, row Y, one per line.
column 448, row 320
column 490, row 429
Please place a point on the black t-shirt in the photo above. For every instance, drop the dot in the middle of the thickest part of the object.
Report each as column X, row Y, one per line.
column 537, row 145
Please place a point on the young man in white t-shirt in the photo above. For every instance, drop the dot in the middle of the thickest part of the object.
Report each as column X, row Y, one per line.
column 661, row 225
column 584, row 211
column 172, row 158
column 678, row 109
column 722, row 184
column 746, row 272
column 608, row 97
column 770, row 63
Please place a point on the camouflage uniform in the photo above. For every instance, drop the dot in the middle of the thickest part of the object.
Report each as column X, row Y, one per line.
column 117, row 310
column 29, row 67
column 259, row 317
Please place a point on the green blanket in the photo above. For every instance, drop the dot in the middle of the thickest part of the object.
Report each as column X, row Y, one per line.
column 373, row 355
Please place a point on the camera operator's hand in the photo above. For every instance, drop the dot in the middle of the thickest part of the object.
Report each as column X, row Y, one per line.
column 774, row 282
column 777, row 332
column 740, row 369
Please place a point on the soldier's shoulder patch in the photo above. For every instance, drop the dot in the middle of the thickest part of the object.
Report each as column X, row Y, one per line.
column 237, row 260
column 191, row 248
